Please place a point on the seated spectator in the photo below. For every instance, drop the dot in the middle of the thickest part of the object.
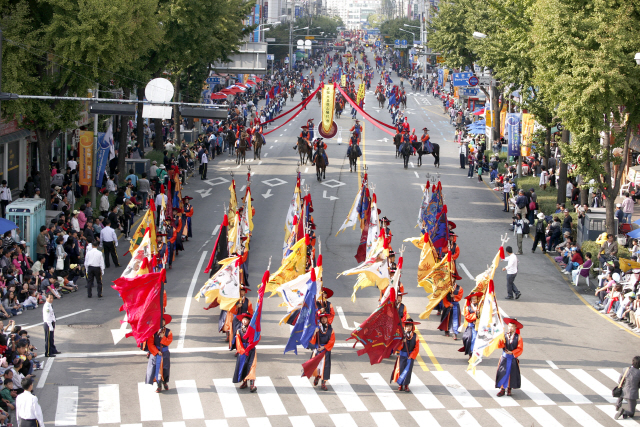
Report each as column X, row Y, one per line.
column 608, row 249
column 11, row 304
column 585, row 265
column 8, row 394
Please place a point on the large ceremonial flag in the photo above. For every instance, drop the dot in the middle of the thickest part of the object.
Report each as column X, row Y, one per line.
column 294, row 292
column 224, row 285
column 490, row 329
column 307, row 322
column 423, row 205
column 374, row 225
column 483, row 279
column 254, row 330
column 249, row 210
column 439, row 234
column 147, row 223
column 374, row 271
column 233, row 202
column 142, row 301
column 234, row 232
column 141, row 258
column 435, row 206
column 220, row 249
column 352, row 217
column 292, row 266
column 438, row 283
column 294, row 209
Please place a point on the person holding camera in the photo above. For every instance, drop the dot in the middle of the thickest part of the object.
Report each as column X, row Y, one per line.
column 518, row 227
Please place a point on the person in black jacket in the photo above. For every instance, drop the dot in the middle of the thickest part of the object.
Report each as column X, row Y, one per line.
column 630, row 387
column 182, row 164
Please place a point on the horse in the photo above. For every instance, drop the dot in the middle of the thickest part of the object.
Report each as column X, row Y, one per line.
column 319, row 97
column 403, row 101
column 353, row 158
column 303, row 150
column 406, row 150
column 321, row 167
column 257, row 146
column 420, row 150
column 381, row 99
column 241, row 150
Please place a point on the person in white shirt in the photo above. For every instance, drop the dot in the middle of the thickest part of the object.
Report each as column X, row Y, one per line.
column 512, row 272
column 49, row 319
column 72, row 164
column 506, row 190
column 5, row 197
column 159, row 198
column 204, row 161
column 109, row 241
column 28, row 411
column 94, row 264
column 569, row 189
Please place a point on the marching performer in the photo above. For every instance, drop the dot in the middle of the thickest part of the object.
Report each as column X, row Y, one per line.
column 451, row 315
column 245, row 366
column 324, row 338
column 470, row 315
column 161, row 255
column 324, row 306
column 508, row 374
column 171, row 240
column 408, row 353
column 159, row 365
column 188, row 212
column 402, row 310
column 233, row 322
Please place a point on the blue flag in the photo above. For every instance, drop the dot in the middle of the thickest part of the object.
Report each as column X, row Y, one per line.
column 392, row 99
column 307, row 320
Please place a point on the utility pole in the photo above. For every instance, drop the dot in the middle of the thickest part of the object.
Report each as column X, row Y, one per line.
column 92, row 195
column 291, row 31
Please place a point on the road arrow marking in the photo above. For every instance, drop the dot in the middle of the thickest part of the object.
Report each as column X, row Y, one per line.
column 118, row 334
column 243, row 187
column 324, row 195
column 267, row 194
column 205, row 193
column 417, row 176
column 383, row 140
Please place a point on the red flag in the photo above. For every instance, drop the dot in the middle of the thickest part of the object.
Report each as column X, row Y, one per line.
column 309, row 367
column 142, row 301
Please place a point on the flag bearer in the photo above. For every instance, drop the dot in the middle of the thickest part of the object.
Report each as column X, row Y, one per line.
column 408, row 353
column 246, row 362
column 508, row 374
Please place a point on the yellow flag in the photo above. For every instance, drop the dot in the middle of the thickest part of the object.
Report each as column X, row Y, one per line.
column 234, row 229
column 223, row 286
column 140, row 258
column 292, row 266
column 249, row 209
column 136, row 239
column 427, row 258
column 483, row 279
column 438, row 282
column 490, row 332
column 233, row 201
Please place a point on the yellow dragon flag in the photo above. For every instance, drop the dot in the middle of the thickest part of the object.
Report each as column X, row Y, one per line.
column 233, row 201
column 136, row 239
column 234, row 230
column 490, row 329
column 374, row 271
column 483, row 279
column 224, row 285
column 249, row 209
column 438, row 282
column 141, row 258
column 428, row 256
column 292, row 266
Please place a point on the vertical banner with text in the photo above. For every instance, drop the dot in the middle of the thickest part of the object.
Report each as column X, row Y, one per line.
column 85, row 155
column 514, row 131
column 527, row 134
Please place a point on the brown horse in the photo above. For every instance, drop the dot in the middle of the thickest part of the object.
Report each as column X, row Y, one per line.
column 304, row 151
column 321, row 167
column 257, row 145
column 241, row 149
column 381, row 99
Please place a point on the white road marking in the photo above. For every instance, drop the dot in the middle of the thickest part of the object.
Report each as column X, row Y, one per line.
column 411, row 164
column 259, row 422
column 534, row 393
column 553, row 365
column 174, row 424
column 611, row 373
column 59, row 318
column 108, row 404
column 488, row 385
column 266, row 154
column 267, row 194
column 269, row 397
column 301, row 421
column 67, row 409
column 150, row 409
column 384, row 419
column 562, row 386
column 215, row 230
column 611, row 411
column 260, row 162
column 417, row 176
column 270, row 147
column 307, row 394
column 228, row 394
column 187, row 302
column 424, row 418
column 189, row 400
column 464, row 268
column 456, row 389
column 464, row 419
column 424, row 395
column 205, row 192
column 45, row 373
column 593, row 384
column 306, row 170
column 578, row 414
column 343, row 420
column 343, row 318
column 503, row 418
column 384, row 392
column 243, row 187
column 348, row 397
column 544, row 418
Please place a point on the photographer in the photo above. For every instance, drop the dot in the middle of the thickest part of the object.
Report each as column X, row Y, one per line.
column 518, row 225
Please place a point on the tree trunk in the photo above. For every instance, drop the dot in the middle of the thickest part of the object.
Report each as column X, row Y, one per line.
column 44, row 154
column 610, row 205
column 561, row 179
column 176, row 112
column 584, row 195
column 140, row 120
column 158, row 144
column 547, row 147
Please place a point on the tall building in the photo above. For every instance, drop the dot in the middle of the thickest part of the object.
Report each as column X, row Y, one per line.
column 353, row 12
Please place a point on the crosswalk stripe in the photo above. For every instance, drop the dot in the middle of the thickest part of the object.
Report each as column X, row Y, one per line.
column 150, row 409
column 307, row 395
column 543, row 418
column 456, row 390
column 301, row 421
column 384, row 419
column 343, row 420
column 259, row 422
column 228, row 395
column 464, row 418
column 423, row 394
column 383, row 391
column 593, row 384
column 67, row 409
column 489, row 385
column 424, row 419
column 348, row 397
column 174, row 424
column 134, row 425
column 611, row 411
column 213, row 423
column 109, row 404
column 578, row 414
column 534, row 393
column 269, row 397
column 503, row 417
column 611, row 373
column 189, row 400
column 562, row 386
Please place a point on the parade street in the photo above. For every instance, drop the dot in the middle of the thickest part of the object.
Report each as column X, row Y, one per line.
column 572, row 355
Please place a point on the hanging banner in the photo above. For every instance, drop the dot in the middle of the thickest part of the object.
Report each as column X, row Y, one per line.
column 85, row 158
column 514, row 131
column 105, row 139
column 328, row 102
column 440, row 77
column 361, row 92
column 527, row 134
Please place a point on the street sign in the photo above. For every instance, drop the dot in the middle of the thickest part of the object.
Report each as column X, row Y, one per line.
column 473, row 81
column 214, row 80
column 377, row 44
column 467, row 91
column 309, row 37
column 485, row 80
column 286, row 60
column 461, row 79
column 396, row 44
column 270, row 57
column 270, row 39
column 404, row 43
column 439, row 59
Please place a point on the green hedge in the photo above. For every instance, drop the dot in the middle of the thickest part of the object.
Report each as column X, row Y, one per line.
column 594, row 248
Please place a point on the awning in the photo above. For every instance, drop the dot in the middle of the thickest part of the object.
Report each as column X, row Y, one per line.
column 477, row 113
column 218, row 95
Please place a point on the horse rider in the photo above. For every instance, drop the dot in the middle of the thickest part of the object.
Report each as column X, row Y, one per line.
column 317, row 145
column 310, row 128
column 426, row 141
column 356, row 129
column 304, row 135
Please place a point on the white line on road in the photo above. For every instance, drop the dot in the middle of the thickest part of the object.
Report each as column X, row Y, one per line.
column 343, row 318
column 260, row 162
column 266, row 154
column 281, row 134
column 243, row 187
column 553, row 365
column 59, row 318
column 462, row 266
column 411, row 164
column 270, row 147
column 67, row 409
column 306, row 170
column 215, row 230
column 45, row 373
column 417, row 176
column 187, row 303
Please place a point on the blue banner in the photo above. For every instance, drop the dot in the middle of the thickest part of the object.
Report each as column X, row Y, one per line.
column 461, row 79
column 440, row 77
column 307, row 321
column 256, row 21
column 102, row 158
column 513, row 129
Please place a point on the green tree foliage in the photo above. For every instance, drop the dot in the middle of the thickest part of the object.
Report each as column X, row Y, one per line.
column 392, row 28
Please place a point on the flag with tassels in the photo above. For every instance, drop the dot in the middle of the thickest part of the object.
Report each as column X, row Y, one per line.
column 254, row 330
column 374, row 271
column 438, row 283
column 374, row 225
column 430, row 215
column 233, row 202
column 352, row 217
column 224, row 286
column 294, row 292
column 141, row 257
column 147, row 224
column 307, row 322
column 439, row 234
column 423, row 206
column 234, row 233
column 294, row 210
column 292, row 239
column 292, row 266
column 483, row 279
column 220, row 249
column 490, row 329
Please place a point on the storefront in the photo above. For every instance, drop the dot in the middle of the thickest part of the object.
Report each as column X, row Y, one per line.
column 14, row 152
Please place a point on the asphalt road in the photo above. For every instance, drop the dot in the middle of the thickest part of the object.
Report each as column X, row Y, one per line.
column 571, row 358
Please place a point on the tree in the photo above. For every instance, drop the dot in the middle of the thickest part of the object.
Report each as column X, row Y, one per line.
column 63, row 48
column 392, row 28
column 585, row 55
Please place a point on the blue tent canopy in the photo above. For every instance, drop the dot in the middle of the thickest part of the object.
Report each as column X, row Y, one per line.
column 6, row 225
column 634, row 234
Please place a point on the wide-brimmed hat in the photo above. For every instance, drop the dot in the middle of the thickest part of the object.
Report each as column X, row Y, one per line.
column 410, row 321
column 167, row 318
column 475, row 294
column 161, row 167
column 327, row 291
column 540, row 215
column 242, row 316
column 513, row 320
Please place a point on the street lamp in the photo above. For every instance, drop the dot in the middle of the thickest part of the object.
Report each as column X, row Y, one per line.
column 479, row 36
column 412, row 26
column 291, row 31
column 637, row 58
column 414, row 36
column 265, row 29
